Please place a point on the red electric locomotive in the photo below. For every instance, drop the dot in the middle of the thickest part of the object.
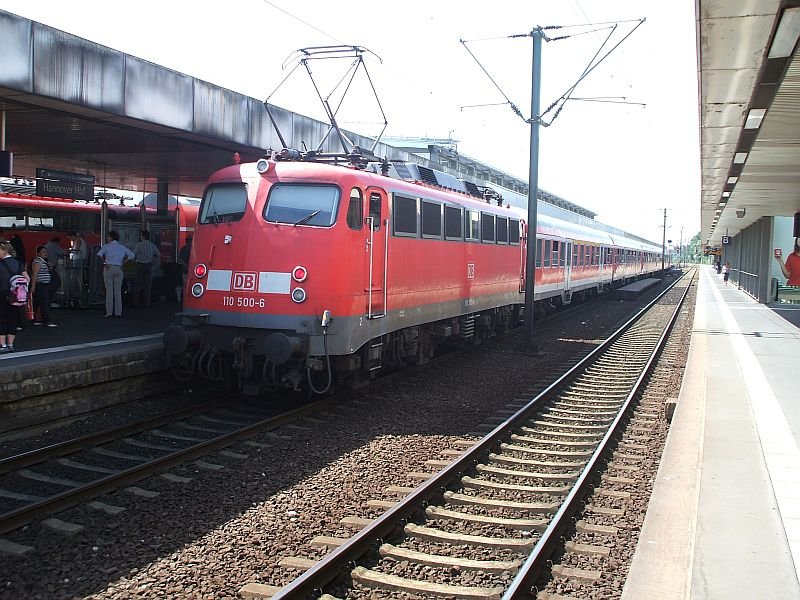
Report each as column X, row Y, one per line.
column 305, row 274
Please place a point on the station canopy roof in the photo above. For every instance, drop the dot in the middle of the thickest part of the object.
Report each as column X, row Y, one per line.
column 749, row 76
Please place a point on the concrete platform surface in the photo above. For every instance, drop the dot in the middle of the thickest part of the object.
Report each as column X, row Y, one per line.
column 724, row 519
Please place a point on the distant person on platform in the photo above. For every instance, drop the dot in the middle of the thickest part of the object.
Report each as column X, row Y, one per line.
column 183, row 260
column 114, row 256
column 54, row 253
column 147, row 255
column 9, row 315
column 726, row 272
column 791, row 268
column 19, row 248
column 41, row 286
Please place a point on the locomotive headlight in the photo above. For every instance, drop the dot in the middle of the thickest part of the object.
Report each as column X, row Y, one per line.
column 200, row 270
column 197, row 290
column 262, row 166
column 298, row 295
column 299, row 273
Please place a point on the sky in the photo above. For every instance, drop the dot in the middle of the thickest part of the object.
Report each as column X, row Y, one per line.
column 625, row 161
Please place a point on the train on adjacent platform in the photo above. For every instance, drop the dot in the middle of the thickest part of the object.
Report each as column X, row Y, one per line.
column 309, row 275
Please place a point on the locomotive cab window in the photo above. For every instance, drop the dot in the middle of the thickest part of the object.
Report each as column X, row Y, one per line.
column 355, row 210
column 431, row 219
column 302, row 204
column 375, row 210
column 223, row 203
column 452, row 223
column 405, row 216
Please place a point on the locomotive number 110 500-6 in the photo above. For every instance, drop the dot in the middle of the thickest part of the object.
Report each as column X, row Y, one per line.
column 243, row 301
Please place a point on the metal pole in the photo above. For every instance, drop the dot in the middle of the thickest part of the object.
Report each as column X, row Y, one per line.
column 664, row 239
column 2, row 131
column 533, row 186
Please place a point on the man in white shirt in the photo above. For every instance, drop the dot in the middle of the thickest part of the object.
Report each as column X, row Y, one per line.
column 114, row 256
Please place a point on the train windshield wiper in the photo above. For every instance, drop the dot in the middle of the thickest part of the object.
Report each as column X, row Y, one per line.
column 307, row 218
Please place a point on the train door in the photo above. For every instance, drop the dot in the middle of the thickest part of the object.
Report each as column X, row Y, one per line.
column 377, row 232
column 567, row 245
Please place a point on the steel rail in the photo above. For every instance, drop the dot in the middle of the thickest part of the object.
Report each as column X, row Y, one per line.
column 26, row 514
column 33, row 457
column 329, row 567
column 530, row 570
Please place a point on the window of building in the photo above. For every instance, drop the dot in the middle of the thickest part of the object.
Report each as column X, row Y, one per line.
column 405, row 216
column 355, row 210
column 431, row 219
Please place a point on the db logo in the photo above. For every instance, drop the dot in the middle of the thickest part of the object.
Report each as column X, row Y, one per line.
column 244, row 282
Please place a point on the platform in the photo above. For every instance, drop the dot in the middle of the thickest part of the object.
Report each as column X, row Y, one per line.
column 724, row 518
column 87, row 362
column 636, row 289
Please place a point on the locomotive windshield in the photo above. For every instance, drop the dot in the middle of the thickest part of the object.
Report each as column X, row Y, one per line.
column 223, row 203
column 302, row 204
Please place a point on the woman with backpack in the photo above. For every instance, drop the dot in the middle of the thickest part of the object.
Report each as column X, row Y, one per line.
column 41, row 285
column 9, row 313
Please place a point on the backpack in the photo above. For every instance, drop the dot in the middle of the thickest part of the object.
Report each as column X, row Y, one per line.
column 18, row 290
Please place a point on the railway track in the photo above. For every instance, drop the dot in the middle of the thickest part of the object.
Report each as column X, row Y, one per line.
column 484, row 525
column 48, row 480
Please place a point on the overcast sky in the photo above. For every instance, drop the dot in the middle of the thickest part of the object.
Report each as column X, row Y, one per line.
column 626, row 162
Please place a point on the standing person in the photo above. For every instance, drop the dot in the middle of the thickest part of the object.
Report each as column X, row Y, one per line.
column 41, row 285
column 726, row 272
column 9, row 314
column 791, row 268
column 146, row 254
column 54, row 253
column 19, row 249
column 183, row 259
column 114, row 255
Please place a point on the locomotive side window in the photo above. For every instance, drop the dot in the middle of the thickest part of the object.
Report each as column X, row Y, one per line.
column 554, row 262
column 562, row 257
column 502, row 230
column 12, row 218
column 355, row 210
column 223, row 203
column 513, row 232
column 548, row 251
column 487, row 227
column 452, row 223
column 405, row 216
column 539, row 244
column 431, row 219
column 472, row 223
column 375, row 210
column 302, row 204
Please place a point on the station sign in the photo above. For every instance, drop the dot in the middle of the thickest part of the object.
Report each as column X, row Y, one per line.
column 61, row 184
column 726, row 239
